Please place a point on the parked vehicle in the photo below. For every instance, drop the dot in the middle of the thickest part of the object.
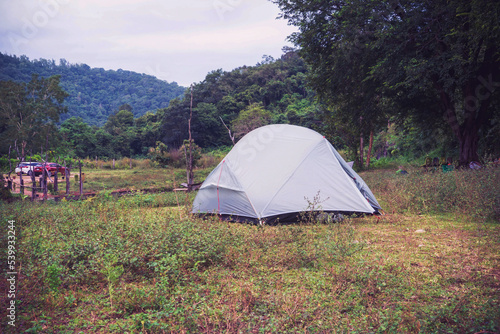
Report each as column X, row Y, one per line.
column 38, row 169
column 27, row 168
column 53, row 168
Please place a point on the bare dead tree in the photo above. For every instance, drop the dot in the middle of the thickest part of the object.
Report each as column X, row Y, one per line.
column 231, row 136
column 189, row 159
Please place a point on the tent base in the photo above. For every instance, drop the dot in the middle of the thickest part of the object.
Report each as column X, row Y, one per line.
column 292, row 217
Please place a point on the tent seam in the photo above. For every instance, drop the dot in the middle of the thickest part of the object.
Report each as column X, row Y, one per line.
column 290, row 176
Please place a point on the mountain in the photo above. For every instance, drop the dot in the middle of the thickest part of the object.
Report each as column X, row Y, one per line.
column 95, row 93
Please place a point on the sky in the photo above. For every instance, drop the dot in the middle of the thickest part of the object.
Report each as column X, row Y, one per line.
column 174, row 40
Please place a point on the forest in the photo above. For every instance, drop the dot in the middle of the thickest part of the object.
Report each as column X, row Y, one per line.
column 94, row 93
column 273, row 91
column 427, row 89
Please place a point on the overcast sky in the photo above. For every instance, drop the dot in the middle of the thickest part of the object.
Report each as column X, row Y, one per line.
column 174, row 40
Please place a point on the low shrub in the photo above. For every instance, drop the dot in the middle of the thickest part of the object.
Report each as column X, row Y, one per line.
column 473, row 193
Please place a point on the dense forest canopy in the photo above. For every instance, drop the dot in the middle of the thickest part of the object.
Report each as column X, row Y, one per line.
column 272, row 91
column 275, row 87
column 330, row 86
column 431, row 61
column 94, row 93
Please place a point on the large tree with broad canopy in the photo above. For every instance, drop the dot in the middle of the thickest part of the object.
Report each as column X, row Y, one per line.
column 443, row 56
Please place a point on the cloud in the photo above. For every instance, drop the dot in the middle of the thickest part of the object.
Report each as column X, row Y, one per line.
column 175, row 40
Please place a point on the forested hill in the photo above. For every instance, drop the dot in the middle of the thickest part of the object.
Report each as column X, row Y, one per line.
column 95, row 93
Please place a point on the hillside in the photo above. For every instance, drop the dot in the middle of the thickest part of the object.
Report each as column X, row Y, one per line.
column 95, row 93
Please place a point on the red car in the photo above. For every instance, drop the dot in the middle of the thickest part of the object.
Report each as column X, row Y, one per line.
column 51, row 167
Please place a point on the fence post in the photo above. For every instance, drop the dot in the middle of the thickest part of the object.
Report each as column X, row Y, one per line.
column 81, row 181
column 56, row 187
column 21, row 183
column 66, row 171
column 44, row 173
column 33, row 187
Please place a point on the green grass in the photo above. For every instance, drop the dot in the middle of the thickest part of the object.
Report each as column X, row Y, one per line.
column 154, row 179
column 140, row 263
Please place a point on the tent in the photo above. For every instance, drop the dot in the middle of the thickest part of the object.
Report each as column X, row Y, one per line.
column 275, row 172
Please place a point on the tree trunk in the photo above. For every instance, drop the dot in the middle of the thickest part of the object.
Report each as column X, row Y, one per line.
column 475, row 115
column 369, row 150
column 21, row 183
column 361, row 145
column 189, row 162
column 468, row 147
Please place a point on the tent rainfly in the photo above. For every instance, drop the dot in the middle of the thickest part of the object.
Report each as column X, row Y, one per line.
column 275, row 172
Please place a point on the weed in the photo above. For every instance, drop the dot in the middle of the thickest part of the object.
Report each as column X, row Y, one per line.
column 342, row 241
column 53, row 277
column 112, row 271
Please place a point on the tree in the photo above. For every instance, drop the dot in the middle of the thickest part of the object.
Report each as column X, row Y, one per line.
column 80, row 137
column 439, row 54
column 104, row 144
column 148, row 131
column 250, row 118
column 208, row 130
column 29, row 112
column 121, row 126
column 159, row 154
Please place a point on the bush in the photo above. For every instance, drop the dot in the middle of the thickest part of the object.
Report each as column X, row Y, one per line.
column 464, row 192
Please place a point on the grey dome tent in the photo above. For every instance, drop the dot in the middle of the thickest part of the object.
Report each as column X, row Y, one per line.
column 274, row 172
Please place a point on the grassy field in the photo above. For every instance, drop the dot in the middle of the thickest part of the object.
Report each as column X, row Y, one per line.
column 141, row 264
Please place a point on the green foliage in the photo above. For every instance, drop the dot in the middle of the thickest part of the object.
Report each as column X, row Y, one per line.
column 250, row 118
column 373, row 60
column 28, row 114
column 112, row 271
column 94, row 92
column 341, row 241
column 54, row 277
column 159, row 154
column 195, row 152
column 267, row 89
column 141, row 263
column 5, row 193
